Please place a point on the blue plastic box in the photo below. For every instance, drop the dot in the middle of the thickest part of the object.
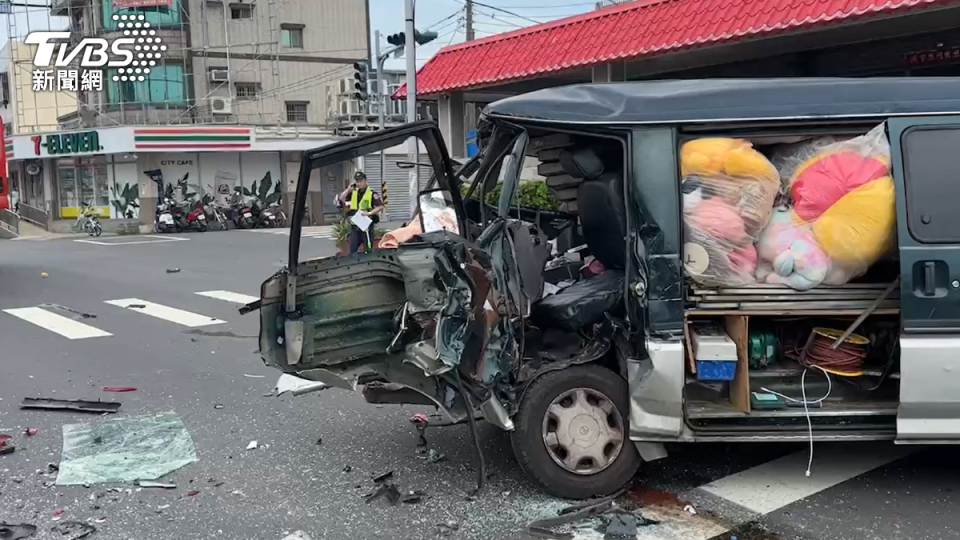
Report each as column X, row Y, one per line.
column 716, row 370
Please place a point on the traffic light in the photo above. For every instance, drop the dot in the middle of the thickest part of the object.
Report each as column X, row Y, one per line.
column 422, row 38
column 360, row 81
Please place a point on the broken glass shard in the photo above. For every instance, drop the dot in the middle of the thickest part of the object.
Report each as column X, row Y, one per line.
column 124, row 449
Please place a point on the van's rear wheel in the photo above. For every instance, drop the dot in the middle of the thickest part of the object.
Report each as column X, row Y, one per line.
column 571, row 433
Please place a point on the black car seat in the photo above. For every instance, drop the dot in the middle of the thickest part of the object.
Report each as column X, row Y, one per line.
column 603, row 220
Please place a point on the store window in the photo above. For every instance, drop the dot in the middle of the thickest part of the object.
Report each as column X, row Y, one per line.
column 83, row 181
column 155, row 15
column 164, row 84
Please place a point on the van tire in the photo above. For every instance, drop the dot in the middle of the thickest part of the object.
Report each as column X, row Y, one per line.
column 531, row 450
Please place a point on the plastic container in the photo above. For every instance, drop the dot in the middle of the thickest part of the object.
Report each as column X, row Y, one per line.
column 716, row 370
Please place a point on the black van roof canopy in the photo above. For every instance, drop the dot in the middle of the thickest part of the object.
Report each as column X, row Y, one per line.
column 725, row 100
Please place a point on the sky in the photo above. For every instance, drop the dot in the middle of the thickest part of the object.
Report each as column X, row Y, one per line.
column 446, row 17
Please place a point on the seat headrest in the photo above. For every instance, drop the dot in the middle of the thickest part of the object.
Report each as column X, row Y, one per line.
column 581, row 163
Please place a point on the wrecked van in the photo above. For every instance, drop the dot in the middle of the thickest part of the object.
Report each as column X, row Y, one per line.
column 731, row 260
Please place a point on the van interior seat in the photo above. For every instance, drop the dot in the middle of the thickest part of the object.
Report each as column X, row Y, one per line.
column 603, row 220
column 600, row 205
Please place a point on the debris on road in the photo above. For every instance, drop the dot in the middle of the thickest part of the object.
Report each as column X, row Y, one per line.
column 124, row 450
column 31, row 431
column 320, row 441
column 44, row 275
column 161, row 485
column 413, row 497
column 296, row 386
column 74, row 530
column 254, row 376
column 252, row 445
column 298, row 535
column 193, row 493
column 58, row 513
column 173, row 270
column 136, row 306
column 6, row 447
column 382, row 477
column 448, row 528
column 119, row 389
column 9, row 531
column 388, row 490
column 434, row 457
column 70, row 404
column 347, row 468
column 541, row 528
column 421, row 422
column 217, row 406
column 690, row 509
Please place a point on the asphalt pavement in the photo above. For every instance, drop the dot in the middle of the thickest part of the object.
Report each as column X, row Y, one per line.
column 193, row 354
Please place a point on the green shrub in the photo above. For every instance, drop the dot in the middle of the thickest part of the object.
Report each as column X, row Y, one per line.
column 531, row 194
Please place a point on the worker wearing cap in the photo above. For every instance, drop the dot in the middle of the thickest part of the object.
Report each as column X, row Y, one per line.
column 358, row 197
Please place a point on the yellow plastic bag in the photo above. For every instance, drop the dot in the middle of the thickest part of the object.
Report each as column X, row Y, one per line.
column 860, row 227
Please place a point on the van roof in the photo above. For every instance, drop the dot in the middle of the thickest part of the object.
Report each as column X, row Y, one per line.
column 725, row 100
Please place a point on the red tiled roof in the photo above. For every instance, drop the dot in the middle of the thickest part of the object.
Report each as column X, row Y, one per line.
column 631, row 30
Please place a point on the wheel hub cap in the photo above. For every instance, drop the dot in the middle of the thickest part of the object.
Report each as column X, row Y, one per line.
column 583, row 431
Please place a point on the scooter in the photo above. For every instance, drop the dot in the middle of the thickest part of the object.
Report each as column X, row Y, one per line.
column 197, row 218
column 243, row 216
column 165, row 219
column 267, row 217
column 281, row 218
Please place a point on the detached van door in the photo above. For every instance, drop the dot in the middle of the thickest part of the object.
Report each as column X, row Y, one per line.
column 926, row 160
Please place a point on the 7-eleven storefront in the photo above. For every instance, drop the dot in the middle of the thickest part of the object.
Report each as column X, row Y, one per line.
column 111, row 168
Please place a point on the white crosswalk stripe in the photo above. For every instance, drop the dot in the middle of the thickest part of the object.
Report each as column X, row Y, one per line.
column 58, row 324
column 228, row 296
column 323, row 232
column 174, row 315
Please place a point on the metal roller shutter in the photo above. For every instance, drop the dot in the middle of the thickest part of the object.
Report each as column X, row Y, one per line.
column 398, row 198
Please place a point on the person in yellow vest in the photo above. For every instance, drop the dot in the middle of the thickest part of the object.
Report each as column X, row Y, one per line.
column 358, row 197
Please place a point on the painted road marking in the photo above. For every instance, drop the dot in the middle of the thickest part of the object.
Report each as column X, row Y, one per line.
column 174, row 315
column 122, row 240
column 782, row 482
column 228, row 296
column 59, row 324
column 323, row 231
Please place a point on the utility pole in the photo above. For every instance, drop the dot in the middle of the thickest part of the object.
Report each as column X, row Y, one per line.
column 414, row 145
column 469, row 20
column 381, row 105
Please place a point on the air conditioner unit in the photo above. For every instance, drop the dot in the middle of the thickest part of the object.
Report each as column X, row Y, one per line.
column 219, row 75
column 219, row 105
column 346, row 86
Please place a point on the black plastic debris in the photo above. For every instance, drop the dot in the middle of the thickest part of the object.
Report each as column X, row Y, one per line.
column 387, row 490
column 70, row 404
column 73, row 530
column 434, row 457
column 9, row 531
column 382, row 477
column 572, row 514
column 413, row 497
column 173, row 270
column 347, row 468
column 320, row 441
column 6, row 448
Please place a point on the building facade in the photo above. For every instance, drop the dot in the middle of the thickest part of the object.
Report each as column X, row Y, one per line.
column 238, row 92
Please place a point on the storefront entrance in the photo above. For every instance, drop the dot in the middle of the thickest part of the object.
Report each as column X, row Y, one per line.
column 83, row 181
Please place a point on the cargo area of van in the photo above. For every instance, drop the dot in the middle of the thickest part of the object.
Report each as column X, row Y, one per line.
column 791, row 274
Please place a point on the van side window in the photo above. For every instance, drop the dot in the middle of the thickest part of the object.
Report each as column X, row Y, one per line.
column 931, row 165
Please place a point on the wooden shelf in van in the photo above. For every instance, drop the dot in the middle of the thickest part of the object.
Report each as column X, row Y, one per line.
column 789, row 312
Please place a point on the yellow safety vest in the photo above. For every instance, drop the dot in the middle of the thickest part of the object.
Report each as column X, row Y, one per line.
column 365, row 204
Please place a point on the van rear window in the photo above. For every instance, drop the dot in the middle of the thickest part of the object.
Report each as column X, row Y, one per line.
column 931, row 164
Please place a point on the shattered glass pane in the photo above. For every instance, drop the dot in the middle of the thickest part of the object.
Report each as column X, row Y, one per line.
column 124, row 449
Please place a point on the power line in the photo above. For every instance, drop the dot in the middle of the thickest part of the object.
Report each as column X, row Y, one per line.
column 552, row 6
column 495, row 8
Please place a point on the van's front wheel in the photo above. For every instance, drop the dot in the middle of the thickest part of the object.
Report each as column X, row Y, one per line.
column 571, row 433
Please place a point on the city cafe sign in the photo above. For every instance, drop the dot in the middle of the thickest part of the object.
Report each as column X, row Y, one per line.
column 57, row 144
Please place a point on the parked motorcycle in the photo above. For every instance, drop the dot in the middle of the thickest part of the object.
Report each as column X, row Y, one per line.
column 266, row 217
column 165, row 218
column 196, row 218
column 281, row 218
column 243, row 216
